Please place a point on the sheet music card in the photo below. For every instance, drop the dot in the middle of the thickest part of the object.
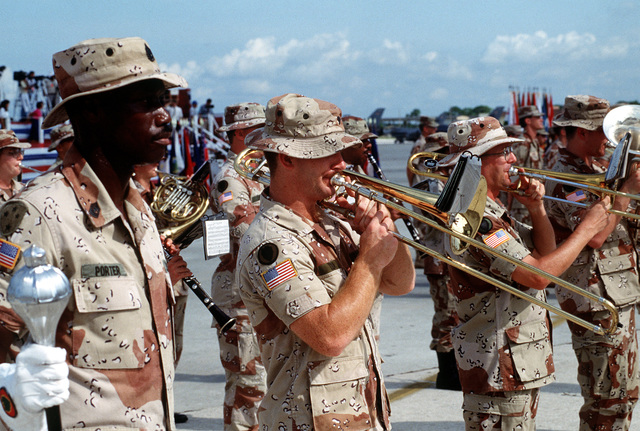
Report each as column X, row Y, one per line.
column 216, row 238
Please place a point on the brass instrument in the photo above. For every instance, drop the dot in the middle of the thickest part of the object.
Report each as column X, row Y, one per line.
column 590, row 182
column 620, row 121
column 409, row 196
column 468, row 223
column 29, row 168
column 179, row 202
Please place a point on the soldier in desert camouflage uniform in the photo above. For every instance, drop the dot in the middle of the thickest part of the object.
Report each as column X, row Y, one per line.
column 607, row 365
column 61, row 140
column 445, row 316
column 93, row 224
column 11, row 155
column 309, row 280
column 502, row 345
column 239, row 199
column 528, row 154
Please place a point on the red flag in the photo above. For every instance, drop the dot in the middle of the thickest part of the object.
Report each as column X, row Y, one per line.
column 516, row 119
column 187, row 153
column 528, row 98
column 533, row 99
column 550, row 110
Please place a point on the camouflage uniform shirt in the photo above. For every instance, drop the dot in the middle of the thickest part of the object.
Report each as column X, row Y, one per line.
column 502, row 342
column 609, row 271
column 117, row 328
column 287, row 267
column 16, row 186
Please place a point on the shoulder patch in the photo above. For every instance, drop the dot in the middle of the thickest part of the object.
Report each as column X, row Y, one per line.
column 268, row 253
column 496, row 238
column 485, row 226
column 11, row 216
column 279, row 274
column 222, row 185
column 9, row 254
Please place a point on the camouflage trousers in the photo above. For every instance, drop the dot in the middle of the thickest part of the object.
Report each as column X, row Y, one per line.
column 244, row 373
column 608, row 372
column 445, row 316
column 504, row 411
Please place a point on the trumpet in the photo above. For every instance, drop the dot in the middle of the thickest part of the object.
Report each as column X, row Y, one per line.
column 374, row 189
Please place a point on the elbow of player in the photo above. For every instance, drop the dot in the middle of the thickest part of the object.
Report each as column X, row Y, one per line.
column 539, row 282
column 596, row 242
column 332, row 346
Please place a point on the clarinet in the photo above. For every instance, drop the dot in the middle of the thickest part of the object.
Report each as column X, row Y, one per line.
column 412, row 229
column 221, row 317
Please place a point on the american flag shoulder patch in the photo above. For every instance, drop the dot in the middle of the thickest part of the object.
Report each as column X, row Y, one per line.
column 496, row 238
column 9, row 254
column 279, row 274
column 577, row 196
column 225, row 197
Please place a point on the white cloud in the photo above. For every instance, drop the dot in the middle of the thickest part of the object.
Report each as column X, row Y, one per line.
column 538, row 47
column 189, row 71
column 390, row 53
column 439, row 94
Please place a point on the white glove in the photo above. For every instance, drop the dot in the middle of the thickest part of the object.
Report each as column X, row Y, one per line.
column 38, row 379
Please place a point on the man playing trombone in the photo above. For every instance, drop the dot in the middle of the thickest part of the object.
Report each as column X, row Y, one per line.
column 309, row 279
column 607, row 266
column 502, row 344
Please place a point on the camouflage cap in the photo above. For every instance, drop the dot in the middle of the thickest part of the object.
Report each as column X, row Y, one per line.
column 583, row 111
column 435, row 141
column 99, row 65
column 301, row 127
column 542, row 132
column 242, row 116
column 8, row 139
column 59, row 134
column 528, row 111
column 428, row 121
column 514, row 130
column 356, row 126
column 477, row 136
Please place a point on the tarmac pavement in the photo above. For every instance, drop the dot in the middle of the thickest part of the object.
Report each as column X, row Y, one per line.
column 409, row 366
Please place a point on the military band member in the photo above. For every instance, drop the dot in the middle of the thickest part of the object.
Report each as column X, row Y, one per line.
column 607, row 365
column 502, row 344
column 11, row 156
column 239, row 199
column 528, row 154
column 309, row 279
column 117, row 331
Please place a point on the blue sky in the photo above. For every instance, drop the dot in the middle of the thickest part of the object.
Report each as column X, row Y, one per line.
column 360, row 55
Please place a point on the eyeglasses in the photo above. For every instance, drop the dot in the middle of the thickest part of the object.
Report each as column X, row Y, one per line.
column 14, row 152
column 506, row 152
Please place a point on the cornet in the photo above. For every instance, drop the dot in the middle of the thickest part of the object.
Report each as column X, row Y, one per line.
column 374, row 189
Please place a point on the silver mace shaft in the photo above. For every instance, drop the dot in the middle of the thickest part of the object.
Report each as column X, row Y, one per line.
column 39, row 293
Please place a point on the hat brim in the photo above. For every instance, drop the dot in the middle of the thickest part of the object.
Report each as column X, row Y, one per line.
column 242, row 124
column 300, row 147
column 368, row 135
column 59, row 115
column 22, row 145
column 452, row 159
column 583, row 123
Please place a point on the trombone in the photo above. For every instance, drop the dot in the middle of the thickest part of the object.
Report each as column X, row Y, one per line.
column 589, row 182
column 368, row 189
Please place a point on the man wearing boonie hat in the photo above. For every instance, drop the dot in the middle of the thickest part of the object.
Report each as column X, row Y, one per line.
column 309, row 279
column 61, row 141
column 445, row 316
column 428, row 126
column 11, row 155
column 117, row 331
column 239, row 199
column 607, row 268
column 528, row 154
column 486, row 342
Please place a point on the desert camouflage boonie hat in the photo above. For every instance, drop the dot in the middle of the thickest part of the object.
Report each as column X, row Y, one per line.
column 528, row 111
column 435, row 142
column 98, row 65
column 477, row 136
column 59, row 134
column 514, row 130
column 301, row 127
column 428, row 121
column 356, row 126
column 8, row 139
column 242, row 115
column 583, row 111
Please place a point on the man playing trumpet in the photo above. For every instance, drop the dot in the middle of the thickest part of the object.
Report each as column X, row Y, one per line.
column 502, row 344
column 11, row 155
